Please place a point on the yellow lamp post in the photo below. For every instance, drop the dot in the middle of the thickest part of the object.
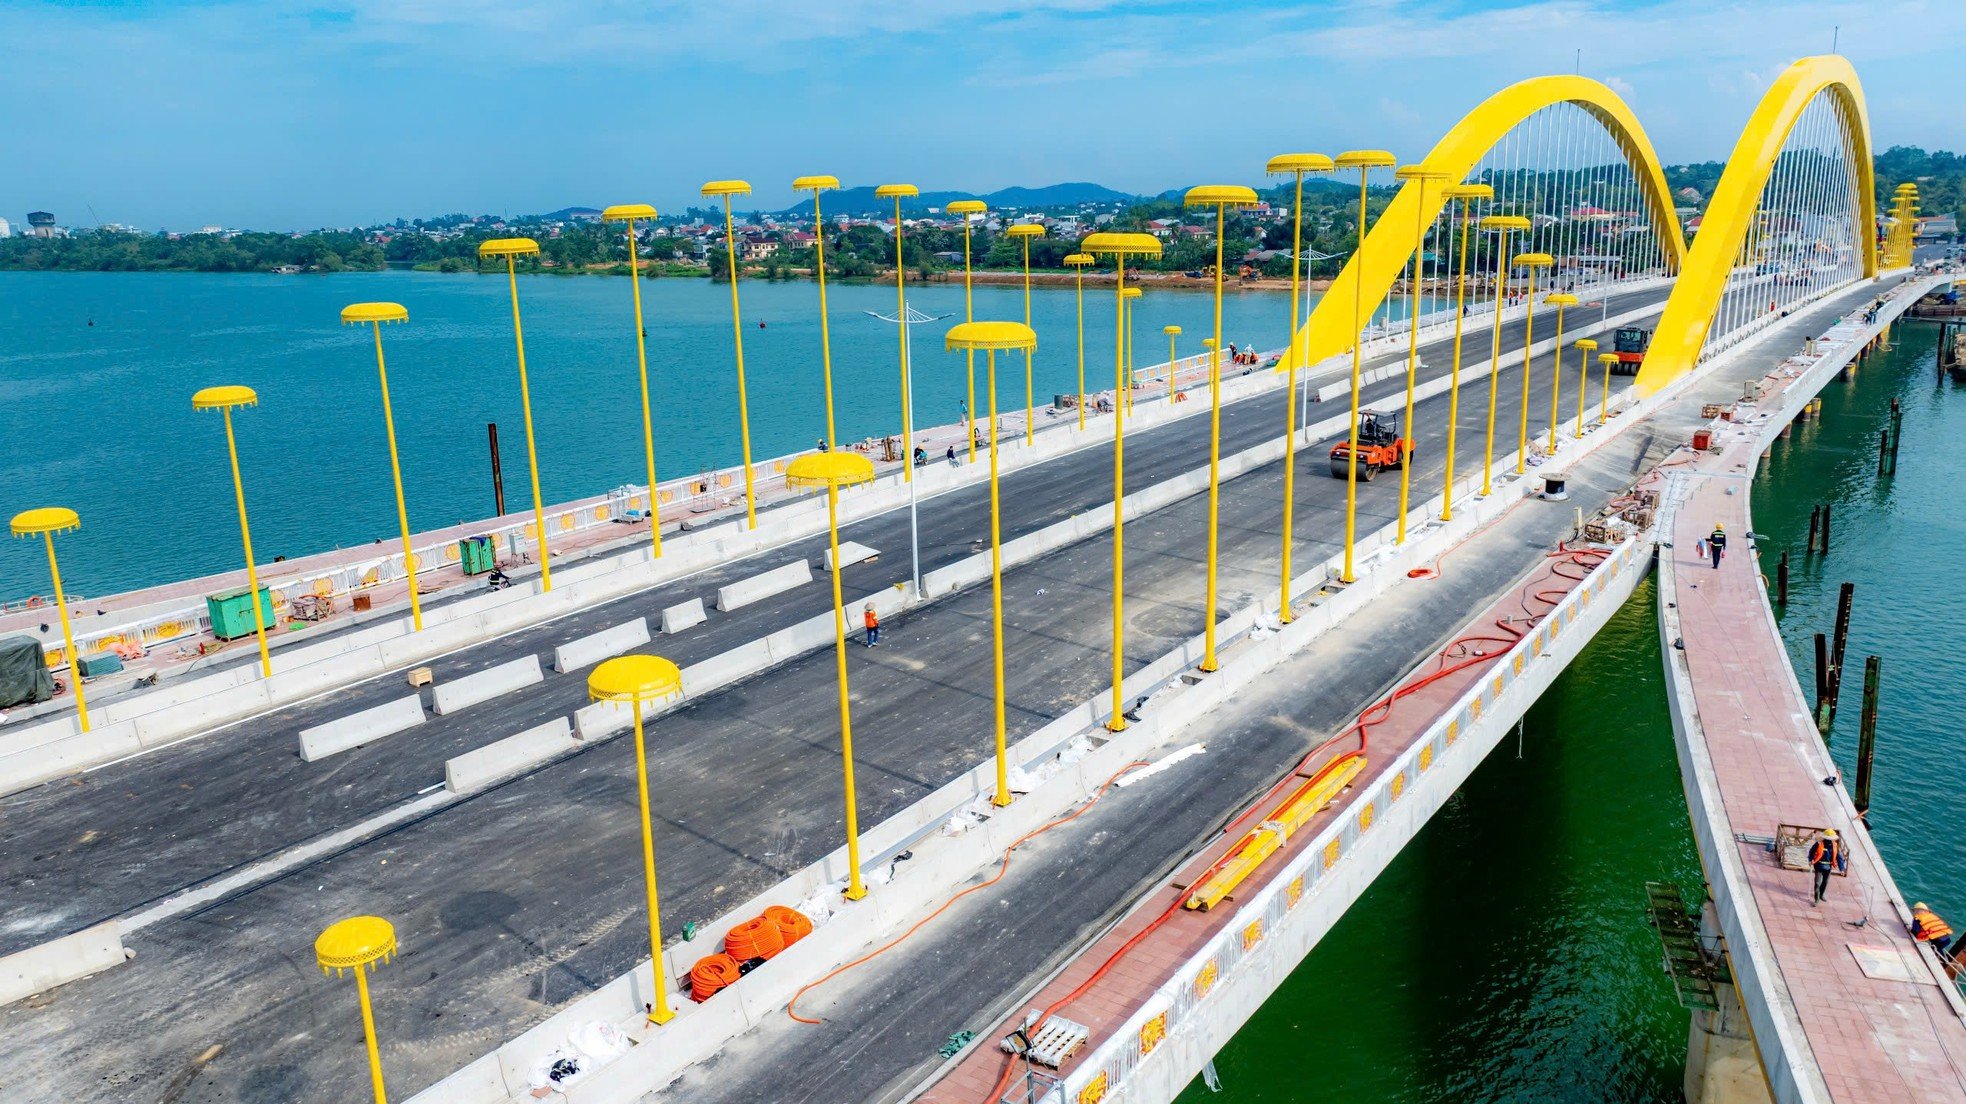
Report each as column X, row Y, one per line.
column 727, row 189
column 223, row 399
column 511, row 249
column 638, row 680
column 1418, row 176
column 1297, row 164
column 626, row 214
column 1024, row 232
column 375, row 314
column 816, row 185
column 1172, row 332
column 1532, row 262
column 897, row 193
column 1078, row 262
column 1502, row 226
column 1221, row 197
column 1364, row 161
column 1560, row 301
column 1585, row 348
column 1467, row 194
column 1127, row 298
column 1120, row 246
column 969, row 209
column 833, row 470
column 357, row 944
column 990, row 337
column 45, row 522
column 1608, row 361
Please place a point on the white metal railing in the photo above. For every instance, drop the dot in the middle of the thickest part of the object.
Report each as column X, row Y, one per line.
column 1104, row 1072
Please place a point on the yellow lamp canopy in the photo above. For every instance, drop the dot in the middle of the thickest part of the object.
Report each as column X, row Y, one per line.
column 1080, row 260
column 829, row 469
column 1607, row 358
column 1208, row 343
column 622, row 212
column 507, row 247
column 1026, row 230
column 1298, row 162
column 966, row 207
column 1561, row 299
column 1586, row 344
column 897, row 191
column 45, row 519
column 1170, row 330
column 1121, row 243
column 991, row 335
column 356, row 313
column 1421, row 171
column 1364, row 159
column 219, row 398
column 634, row 678
column 727, row 188
column 1504, row 222
column 815, row 183
column 354, row 943
column 1468, row 191
column 1220, row 195
column 1534, row 260
column 1130, row 293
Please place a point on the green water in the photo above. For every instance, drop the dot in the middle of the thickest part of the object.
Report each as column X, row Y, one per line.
column 1505, row 955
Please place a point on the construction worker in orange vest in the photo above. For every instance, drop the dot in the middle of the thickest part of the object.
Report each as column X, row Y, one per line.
column 1926, row 927
column 1827, row 855
column 873, row 622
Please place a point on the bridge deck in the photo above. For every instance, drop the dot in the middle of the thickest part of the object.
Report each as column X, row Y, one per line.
column 1872, row 1037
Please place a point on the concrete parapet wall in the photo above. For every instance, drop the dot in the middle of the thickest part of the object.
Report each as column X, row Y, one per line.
column 60, row 961
column 455, row 694
column 360, row 728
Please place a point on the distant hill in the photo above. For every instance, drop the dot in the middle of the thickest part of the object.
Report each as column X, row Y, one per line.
column 568, row 214
column 863, row 201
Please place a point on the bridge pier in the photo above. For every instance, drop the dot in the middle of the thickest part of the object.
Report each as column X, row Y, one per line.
column 1722, row 1066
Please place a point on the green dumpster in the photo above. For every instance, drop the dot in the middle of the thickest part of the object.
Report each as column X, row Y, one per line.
column 474, row 554
column 231, row 612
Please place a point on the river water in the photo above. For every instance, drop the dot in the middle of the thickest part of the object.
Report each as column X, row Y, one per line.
column 1505, row 956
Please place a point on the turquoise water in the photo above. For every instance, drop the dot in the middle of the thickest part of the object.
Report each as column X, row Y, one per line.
column 98, row 416
column 1505, row 955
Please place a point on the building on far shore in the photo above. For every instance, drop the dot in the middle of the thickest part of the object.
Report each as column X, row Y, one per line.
column 6, row 229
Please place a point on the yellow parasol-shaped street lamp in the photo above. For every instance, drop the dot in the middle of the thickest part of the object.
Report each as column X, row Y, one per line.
column 990, row 337
column 1172, row 332
column 1418, row 177
column 1119, row 246
column 1127, row 298
column 727, row 189
column 1560, row 301
column 1502, row 226
column 375, row 314
column 45, row 522
column 357, row 944
column 1221, row 197
column 833, row 470
column 816, row 185
column 1467, row 194
column 897, row 193
column 1078, row 263
column 639, row 680
column 1607, row 361
column 1024, row 232
column 626, row 214
column 1532, row 262
column 969, row 209
column 1364, row 161
column 1585, row 348
column 1297, row 164
column 223, row 399
column 511, row 249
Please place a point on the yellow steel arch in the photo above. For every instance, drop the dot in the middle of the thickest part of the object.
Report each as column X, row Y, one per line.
column 1689, row 312
column 1393, row 238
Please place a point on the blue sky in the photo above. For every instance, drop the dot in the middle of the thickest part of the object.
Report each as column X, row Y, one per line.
column 271, row 114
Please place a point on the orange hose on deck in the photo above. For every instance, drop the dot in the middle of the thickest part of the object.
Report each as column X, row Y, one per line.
column 793, row 925
column 711, row 974
column 757, row 937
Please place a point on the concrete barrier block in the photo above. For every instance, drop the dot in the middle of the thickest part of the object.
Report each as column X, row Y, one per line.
column 852, row 552
column 60, row 961
column 599, row 646
column 481, row 1082
column 759, row 587
column 803, row 637
column 360, row 728
column 725, row 668
column 602, row 718
column 683, row 615
column 503, row 758
column 43, row 762
column 451, row 696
